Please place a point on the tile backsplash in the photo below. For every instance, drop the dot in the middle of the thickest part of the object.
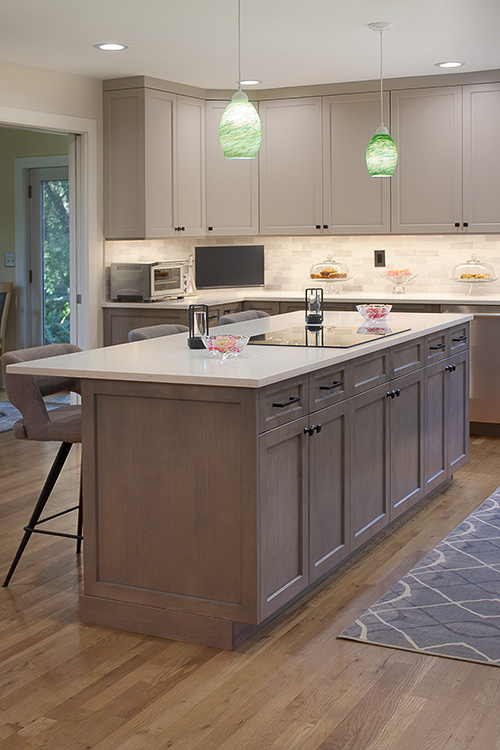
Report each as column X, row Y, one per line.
column 289, row 259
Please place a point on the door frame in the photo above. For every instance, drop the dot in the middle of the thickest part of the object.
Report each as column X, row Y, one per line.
column 88, row 239
column 24, row 323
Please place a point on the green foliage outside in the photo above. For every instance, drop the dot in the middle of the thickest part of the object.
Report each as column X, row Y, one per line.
column 56, row 261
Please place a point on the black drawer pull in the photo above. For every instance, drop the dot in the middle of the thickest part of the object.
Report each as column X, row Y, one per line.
column 318, row 428
column 437, row 346
column 398, row 392
column 335, row 384
column 291, row 400
column 460, row 338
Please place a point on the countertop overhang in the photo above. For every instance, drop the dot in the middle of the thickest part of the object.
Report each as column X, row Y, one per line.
column 256, row 294
column 168, row 359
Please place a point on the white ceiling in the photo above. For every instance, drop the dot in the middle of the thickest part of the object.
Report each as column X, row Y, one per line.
column 283, row 42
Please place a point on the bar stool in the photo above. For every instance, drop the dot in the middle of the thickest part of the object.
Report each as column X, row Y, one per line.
column 240, row 317
column 153, row 332
column 62, row 424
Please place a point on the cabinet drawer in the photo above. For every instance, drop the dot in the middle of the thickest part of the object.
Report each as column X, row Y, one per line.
column 370, row 371
column 273, row 308
column 283, row 402
column 435, row 347
column 458, row 338
column 407, row 357
column 230, row 308
column 328, row 386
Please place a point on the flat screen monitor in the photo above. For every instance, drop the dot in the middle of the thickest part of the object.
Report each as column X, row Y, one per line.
column 229, row 266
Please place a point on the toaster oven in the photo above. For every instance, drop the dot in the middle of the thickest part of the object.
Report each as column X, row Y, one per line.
column 151, row 281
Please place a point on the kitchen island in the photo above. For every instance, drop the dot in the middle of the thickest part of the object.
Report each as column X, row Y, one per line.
column 217, row 493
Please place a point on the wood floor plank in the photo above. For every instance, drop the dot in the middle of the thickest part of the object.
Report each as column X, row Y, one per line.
column 66, row 686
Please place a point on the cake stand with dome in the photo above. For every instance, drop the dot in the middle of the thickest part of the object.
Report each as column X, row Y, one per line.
column 331, row 271
column 474, row 273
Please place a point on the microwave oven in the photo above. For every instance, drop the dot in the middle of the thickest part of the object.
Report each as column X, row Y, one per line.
column 151, row 281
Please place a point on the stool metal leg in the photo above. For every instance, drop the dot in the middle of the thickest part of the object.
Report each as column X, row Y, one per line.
column 53, row 474
column 79, row 527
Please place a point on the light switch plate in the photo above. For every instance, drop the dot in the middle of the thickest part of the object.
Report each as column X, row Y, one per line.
column 379, row 258
column 9, row 260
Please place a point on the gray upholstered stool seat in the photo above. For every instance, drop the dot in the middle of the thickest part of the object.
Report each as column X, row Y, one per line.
column 240, row 317
column 153, row 332
column 61, row 424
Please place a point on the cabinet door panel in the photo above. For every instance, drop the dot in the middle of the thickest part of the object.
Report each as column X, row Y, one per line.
column 481, row 157
column 232, row 184
column 190, row 166
column 369, row 475
column 124, row 166
column 354, row 201
column 406, row 430
column 283, row 527
column 328, row 491
column 457, row 412
column 291, row 167
column 159, row 195
column 427, row 184
column 435, row 464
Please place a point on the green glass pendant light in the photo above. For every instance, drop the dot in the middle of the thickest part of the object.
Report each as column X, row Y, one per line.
column 240, row 130
column 382, row 152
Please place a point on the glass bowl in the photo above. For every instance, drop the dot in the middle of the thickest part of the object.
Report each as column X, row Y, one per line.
column 399, row 277
column 224, row 345
column 374, row 311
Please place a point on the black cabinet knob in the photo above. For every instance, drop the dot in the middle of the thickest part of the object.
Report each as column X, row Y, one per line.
column 325, row 226
column 210, row 229
column 457, row 224
column 318, row 428
column 309, row 430
column 466, row 223
column 318, row 226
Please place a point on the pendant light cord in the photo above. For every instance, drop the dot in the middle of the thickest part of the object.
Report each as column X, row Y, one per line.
column 239, row 45
column 381, row 87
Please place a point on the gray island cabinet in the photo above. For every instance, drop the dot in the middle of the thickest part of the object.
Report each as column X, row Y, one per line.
column 218, row 493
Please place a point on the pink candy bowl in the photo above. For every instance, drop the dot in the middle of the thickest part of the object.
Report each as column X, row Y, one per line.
column 225, row 345
column 373, row 311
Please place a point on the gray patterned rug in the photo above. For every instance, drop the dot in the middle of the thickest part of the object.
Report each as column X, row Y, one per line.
column 449, row 603
column 9, row 414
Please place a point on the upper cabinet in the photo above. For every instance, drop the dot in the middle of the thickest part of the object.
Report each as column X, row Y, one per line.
column 354, row 202
column 291, row 193
column 426, row 186
column 165, row 174
column 449, row 159
column 154, row 164
column 481, row 157
column 232, row 184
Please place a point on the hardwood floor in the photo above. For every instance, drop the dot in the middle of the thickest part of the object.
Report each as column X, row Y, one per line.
column 293, row 685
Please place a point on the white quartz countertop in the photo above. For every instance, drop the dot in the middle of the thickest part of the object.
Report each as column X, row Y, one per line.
column 480, row 296
column 168, row 359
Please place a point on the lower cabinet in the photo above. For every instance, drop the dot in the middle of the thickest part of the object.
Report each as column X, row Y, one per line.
column 446, row 419
column 118, row 321
column 303, row 522
column 332, row 480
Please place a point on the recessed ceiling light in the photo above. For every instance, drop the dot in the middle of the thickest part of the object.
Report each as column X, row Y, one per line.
column 249, row 82
column 450, row 64
column 111, row 46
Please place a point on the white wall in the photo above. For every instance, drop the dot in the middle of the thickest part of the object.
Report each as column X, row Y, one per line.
column 289, row 259
column 58, row 102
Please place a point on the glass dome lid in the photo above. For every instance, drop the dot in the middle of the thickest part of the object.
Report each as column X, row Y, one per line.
column 473, row 270
column 330, row 270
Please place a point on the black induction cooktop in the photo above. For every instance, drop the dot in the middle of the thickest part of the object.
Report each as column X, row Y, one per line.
column 332, row 337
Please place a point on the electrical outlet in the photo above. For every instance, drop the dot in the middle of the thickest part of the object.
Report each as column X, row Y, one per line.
column 9, row 260
column 379, row 258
